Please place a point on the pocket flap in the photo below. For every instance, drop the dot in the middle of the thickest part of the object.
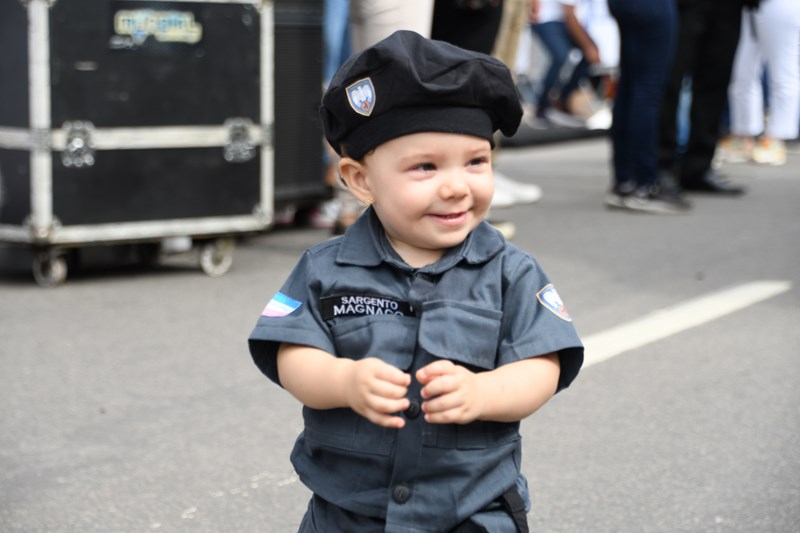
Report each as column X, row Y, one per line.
column 389, row 338
column 461, row 332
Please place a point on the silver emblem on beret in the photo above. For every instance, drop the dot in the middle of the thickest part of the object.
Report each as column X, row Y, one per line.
column 361, row 96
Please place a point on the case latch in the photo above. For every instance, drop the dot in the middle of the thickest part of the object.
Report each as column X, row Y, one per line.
column 239, row 146
column 79, row 146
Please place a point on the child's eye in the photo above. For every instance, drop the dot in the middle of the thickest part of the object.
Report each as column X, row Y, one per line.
column 478, row 161
column 425, row 167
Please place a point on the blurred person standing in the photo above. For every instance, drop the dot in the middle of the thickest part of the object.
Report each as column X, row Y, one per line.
column 707, row 39
column 335, row 37
column 770, row 38
column 515, row 17
column 555, row 23
column 374, row 20
column 648, row 33
column 469, row 24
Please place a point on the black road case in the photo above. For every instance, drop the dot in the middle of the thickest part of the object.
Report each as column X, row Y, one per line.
column 133, row 121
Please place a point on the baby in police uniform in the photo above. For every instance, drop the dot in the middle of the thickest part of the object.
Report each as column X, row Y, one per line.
column 419, row 339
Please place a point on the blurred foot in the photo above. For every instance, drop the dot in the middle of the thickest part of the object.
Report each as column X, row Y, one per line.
column 712, row 182
column 563, row 119
column 770, row 152
column 734, row 149
column 517, row 192
column 654, row 200
column 600, row 120
column 502, row 198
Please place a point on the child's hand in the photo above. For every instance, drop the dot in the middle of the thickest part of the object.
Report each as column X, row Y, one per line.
column 451, row 392
column 376, row 389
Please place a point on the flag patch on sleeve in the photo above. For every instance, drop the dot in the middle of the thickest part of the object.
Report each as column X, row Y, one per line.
column 549, row 298
column 280, row 305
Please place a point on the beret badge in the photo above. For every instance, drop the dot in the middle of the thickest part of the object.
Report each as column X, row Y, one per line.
column 361, row 96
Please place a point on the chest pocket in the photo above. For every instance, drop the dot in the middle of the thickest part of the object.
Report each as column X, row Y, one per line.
column 389, row 338
column 461, row 332
column 468, row 335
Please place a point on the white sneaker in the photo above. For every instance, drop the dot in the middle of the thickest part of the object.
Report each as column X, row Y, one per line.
column 519, row 193
column 770, row 152
column 734, row 149
column 502, row 198
column 600, row 120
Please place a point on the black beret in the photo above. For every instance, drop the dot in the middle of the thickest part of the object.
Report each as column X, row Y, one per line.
column 409, row 84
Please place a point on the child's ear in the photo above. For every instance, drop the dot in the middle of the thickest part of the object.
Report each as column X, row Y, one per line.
column 354, row 176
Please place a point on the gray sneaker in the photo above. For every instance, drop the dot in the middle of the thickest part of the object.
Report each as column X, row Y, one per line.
column 656, row 201
column 616, row 197
column 615, row 200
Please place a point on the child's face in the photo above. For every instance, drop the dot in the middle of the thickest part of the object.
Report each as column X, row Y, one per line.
column 429, row 191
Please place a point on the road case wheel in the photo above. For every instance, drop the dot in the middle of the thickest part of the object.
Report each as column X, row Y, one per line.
column 49, row 269
column 216, row 257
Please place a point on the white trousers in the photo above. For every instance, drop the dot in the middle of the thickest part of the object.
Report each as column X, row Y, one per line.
column 770, row 37
column 373, row 20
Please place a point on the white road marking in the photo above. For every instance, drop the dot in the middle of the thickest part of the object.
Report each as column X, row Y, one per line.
column 671, row 320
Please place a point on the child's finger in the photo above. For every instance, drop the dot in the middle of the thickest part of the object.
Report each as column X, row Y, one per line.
column 392, row 374
column 438, row 385
column 438, row 368
column 442, row 411
column 385, row 420
column 388, row 390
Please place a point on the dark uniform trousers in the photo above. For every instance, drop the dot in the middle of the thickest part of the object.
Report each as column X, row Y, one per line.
column 510, row 502
column 708, row 37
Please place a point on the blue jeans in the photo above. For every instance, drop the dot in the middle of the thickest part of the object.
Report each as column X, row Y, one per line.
column 559, row 44
column 648, row 33
column 336, row 36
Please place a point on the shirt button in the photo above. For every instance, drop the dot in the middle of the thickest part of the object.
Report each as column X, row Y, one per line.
column 413, row 410
column 401, row 493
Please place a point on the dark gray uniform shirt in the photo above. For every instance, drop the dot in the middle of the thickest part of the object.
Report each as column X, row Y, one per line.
column 484, row 304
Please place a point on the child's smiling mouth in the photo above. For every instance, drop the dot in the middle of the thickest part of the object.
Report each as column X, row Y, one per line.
column 451, row 219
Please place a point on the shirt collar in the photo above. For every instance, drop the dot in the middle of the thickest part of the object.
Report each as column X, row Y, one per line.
column 365, row 244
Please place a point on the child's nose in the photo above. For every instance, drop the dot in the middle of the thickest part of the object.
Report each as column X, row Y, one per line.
column 454, row 186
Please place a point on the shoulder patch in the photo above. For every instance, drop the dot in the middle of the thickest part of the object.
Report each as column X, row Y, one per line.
column 361, row 96
column 549, row 298
column 280, row 305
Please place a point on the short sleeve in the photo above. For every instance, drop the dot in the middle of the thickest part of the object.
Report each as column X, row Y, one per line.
column 536, row 322
column 291, row 316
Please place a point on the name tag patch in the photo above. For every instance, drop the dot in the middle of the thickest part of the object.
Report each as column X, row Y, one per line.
column 362, row 305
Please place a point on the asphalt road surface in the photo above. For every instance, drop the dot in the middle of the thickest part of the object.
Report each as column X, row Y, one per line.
column 130, row 402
